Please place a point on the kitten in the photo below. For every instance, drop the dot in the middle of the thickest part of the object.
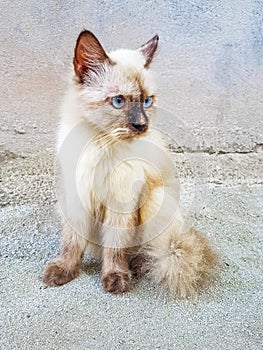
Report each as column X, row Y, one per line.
column 121, row 198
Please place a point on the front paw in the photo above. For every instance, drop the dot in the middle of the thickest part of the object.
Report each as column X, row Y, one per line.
column 55, row 274
column 116, row 282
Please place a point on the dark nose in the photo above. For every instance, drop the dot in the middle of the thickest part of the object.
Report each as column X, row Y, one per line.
column 137, row 119
column 139, row 127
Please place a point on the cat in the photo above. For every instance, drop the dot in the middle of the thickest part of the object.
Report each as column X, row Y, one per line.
column 120, row 195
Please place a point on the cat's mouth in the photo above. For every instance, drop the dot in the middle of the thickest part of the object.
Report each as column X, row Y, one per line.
column 138, row 128
column 129, row 131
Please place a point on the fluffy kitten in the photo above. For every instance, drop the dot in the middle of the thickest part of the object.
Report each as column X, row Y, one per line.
column 121, row 198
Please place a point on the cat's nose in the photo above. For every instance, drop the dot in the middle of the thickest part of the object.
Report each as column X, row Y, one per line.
column 137, row 118
column 139, row 127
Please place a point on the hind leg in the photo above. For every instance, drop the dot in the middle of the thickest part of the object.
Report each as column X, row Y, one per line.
column 182, row 261
column 138, row 262
column 68, row 265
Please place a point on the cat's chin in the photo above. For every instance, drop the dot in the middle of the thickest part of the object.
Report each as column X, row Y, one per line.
column 131, row 135
column 117, row 135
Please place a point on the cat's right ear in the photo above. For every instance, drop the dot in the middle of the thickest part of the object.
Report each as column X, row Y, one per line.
column 148, row 50
column 89, row 55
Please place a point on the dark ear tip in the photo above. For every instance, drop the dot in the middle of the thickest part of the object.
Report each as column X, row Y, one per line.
column 84, row 33
column 156, row 37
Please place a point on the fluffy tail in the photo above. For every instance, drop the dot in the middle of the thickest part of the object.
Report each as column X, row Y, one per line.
column 183, row 262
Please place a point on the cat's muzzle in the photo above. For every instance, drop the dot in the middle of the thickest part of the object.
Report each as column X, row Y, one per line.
column 137, row 119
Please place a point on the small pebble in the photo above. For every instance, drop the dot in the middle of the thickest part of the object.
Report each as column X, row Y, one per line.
column 19, row 131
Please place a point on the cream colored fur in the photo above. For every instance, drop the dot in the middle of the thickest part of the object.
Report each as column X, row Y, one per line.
column 110, row 178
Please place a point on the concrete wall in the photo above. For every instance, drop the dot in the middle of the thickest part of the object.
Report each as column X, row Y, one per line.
column 209, row 66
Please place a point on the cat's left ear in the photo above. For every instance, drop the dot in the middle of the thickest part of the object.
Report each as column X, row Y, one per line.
column 89, row 55
column 148, row 50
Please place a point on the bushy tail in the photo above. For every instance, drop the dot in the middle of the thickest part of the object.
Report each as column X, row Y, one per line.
column 183, row 262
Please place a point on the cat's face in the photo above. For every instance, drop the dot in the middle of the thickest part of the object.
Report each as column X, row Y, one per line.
column 116, row 91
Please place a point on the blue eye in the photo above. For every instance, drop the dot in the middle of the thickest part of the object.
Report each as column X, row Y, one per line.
column 147, row 102
column 118, row 101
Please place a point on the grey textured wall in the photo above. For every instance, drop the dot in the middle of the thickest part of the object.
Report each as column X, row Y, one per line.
column 209, row 66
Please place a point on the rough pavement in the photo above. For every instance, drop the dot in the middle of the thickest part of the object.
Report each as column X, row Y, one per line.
column 79, row 315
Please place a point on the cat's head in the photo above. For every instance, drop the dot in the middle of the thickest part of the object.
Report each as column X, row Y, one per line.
column 116, row 91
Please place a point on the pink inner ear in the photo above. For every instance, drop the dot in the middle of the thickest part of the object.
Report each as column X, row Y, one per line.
column 89, row 54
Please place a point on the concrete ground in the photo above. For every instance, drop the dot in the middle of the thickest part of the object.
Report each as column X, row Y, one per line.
column 79, row 315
